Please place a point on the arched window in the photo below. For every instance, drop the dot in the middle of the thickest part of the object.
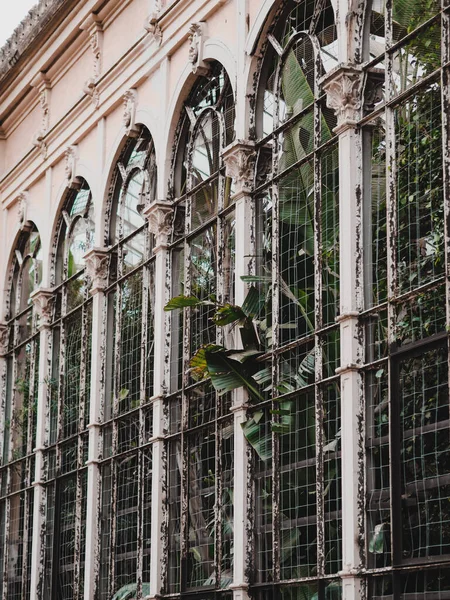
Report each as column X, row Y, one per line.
column 406, row 215
column 69, row 397
column 18, row 424
column 126, row 472
column 295, row 434
column 200, row 448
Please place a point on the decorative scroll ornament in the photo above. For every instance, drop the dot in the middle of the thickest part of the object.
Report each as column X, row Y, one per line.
column 197, row 36
column 43, row 303
column 4, row 339
column 344, row 89
column 71, row 158
column 96, row 262
column 42, row 83
column 153, row 29
column 240, row 159
column 90, row 89
column 129, row 111
column 159, row 215
column 94, row 27
column 95, row 41
column 44, row 101
column 22, row 199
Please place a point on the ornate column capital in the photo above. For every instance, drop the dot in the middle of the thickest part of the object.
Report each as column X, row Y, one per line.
column 159, row 215
column 43, row 302
column 240, row 159
column 344, row 89
column 4, row 339
column 96, row 261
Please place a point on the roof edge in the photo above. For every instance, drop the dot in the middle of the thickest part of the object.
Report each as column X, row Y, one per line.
column 26, row 33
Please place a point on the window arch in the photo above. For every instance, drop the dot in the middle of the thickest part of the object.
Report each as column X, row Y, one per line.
column 296, row 439
column 18, row 424
column 126, row 472
column 200, row 447
column 66, row 445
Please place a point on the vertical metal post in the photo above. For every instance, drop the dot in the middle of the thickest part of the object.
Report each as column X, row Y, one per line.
column 43, row 300
column 97, row 266
column 159, row 215
column 239, row 159
column 344, row 94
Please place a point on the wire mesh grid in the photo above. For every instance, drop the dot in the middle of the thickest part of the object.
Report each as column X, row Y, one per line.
column 425, row 464
column 129, row 386
column 201, row 508
column 126, row 520
column 420, row 207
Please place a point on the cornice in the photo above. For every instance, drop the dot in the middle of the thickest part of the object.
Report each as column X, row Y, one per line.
column 130, row 70
column 39, row 19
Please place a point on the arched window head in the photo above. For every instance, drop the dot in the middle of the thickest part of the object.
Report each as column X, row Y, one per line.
column 27, row 270
column 301, row 47
column 206, row 127
column 76, row 235
column 134, row 186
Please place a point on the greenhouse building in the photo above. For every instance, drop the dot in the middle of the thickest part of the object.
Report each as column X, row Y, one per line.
column 225, row 301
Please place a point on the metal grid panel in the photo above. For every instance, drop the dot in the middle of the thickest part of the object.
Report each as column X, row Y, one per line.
column 406, row 380
column 298, row 508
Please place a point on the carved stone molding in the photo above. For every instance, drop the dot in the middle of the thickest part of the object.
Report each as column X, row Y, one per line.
column 344, row 89
column 4, row 339
column 22, row 200
column 90, row 89
column 93, row 26
column 71, row 159
column 43, row 303
column 159, row 215
column 197, row 37
column 153, row 29
column 130, row 99
column 42, row 83
column 240, row 159
column 39, row 143
column 95, row 43
column 96, row 262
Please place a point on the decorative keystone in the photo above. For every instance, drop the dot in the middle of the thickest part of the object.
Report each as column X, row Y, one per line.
column 153, row 29
column 130, row 99
column 43, row 303
column 160, row 215
column 344, row 89
column 71, row 158
column 197, row 37
column 4, row 339
column 96, row 262
column 240, row 159
column 22, row 200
